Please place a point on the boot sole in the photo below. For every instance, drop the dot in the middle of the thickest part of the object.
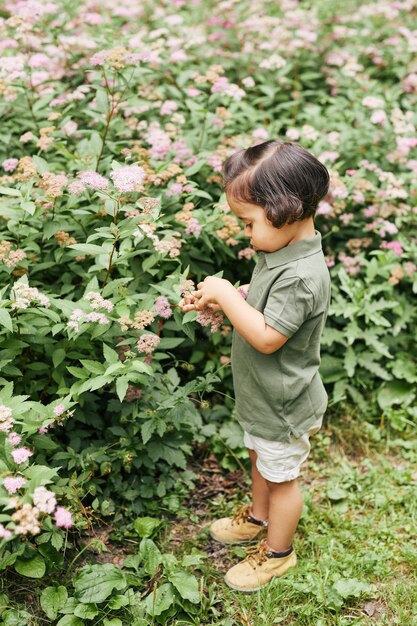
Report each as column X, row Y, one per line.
column 288, row 566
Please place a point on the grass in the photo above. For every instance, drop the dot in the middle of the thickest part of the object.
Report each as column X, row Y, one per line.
column 356, row 541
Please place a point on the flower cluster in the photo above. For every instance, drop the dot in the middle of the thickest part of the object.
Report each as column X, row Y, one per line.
column 23, row 296
column 163, row 307
column 172, row 246
column 98, row 302
column 64, row 239
column 128, row 178
column 78, row 316
column 92, row 179
column 207, row 317
column 53, row 184
column 148, row 344
column 6, row 419
column 10, row 257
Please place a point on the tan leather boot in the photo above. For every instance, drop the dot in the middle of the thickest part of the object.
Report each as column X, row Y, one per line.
column 258, row 569
column 240, row 528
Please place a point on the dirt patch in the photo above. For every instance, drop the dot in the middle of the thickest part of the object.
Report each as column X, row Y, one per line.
column 213, row 481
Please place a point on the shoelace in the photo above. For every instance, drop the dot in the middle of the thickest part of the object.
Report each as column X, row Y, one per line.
column 257, row 554
column 241, row 514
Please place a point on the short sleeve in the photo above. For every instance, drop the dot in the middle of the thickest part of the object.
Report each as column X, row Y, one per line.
column 289, row 304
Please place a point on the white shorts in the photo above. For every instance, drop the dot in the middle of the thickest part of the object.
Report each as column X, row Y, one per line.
column 277, row 461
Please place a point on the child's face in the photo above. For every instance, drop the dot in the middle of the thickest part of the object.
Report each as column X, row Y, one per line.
column 263, row 236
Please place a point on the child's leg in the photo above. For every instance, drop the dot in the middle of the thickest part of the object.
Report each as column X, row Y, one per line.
column 285, row 506
column 260, row 491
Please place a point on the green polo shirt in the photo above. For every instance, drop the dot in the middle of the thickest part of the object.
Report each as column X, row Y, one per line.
column 280, row 395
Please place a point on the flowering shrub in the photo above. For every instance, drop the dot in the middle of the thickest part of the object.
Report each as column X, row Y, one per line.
column 115, row 122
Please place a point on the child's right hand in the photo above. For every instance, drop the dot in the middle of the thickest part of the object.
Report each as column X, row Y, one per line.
column 188, row 303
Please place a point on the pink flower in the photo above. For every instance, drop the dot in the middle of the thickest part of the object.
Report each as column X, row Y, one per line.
column 92, row 179
column 370, row 211
column 128, row 178
column 207, row 317
column 63, row 517
column 69, row 127
column 178, row 56
column 373, row 102
column 175, row 189
column 379, row 117
column 168, row 107
column 5, row 533
column 9, row 165
column 324, row 208
column 410, row 268
column 29, row 136
column 395, row 246
column 148, row 343
column 59, row 409
column 44, row 499
column 246, row 253
column 329, row 156
column 20, row 455
column 163, row 308
column 193, row 92
column 292, row 134
column 194, row 227
column 14, row 439
column 76, row 188
column 13, row 483
column 260, row 133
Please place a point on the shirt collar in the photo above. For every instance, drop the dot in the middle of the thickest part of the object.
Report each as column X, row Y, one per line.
column 294, row 251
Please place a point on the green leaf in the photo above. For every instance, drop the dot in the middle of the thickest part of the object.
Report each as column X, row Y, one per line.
column 6, row 320
column 9, row 191
column 186, row 584
column 336, row 493
column 394, row 393
column 92, row 366
column 32, row 568
column 145, row 526
column 86, row 611
column 53, row 599
column 88, row 248
column 70, row 620
column 350, row 361
column 117, row 602
column 193, row 169
column 114, row 621
column 122, row 384
column 95, row 583
column 157, row 603
column 58, row 356
column 110, row 355
column 351, row 587
column 151, row 556
column 167, row 343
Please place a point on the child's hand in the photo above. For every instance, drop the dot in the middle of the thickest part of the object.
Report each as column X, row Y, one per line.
column 188, row 303
column 209, row 293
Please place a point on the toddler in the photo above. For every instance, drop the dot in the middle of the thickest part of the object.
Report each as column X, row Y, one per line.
column 274, row 188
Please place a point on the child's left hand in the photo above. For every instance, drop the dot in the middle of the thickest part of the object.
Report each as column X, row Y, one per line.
column 209, row 292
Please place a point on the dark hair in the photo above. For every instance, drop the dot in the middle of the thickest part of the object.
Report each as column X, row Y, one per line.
column 280, row 176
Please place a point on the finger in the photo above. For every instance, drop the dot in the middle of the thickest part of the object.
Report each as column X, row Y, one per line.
column 200, row 285
column 198, row 294
column 188, row 307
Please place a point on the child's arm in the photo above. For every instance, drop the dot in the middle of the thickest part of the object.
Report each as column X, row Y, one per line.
column 248, row 322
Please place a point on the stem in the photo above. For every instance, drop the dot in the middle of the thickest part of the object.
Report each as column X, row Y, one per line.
column 116, row 239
